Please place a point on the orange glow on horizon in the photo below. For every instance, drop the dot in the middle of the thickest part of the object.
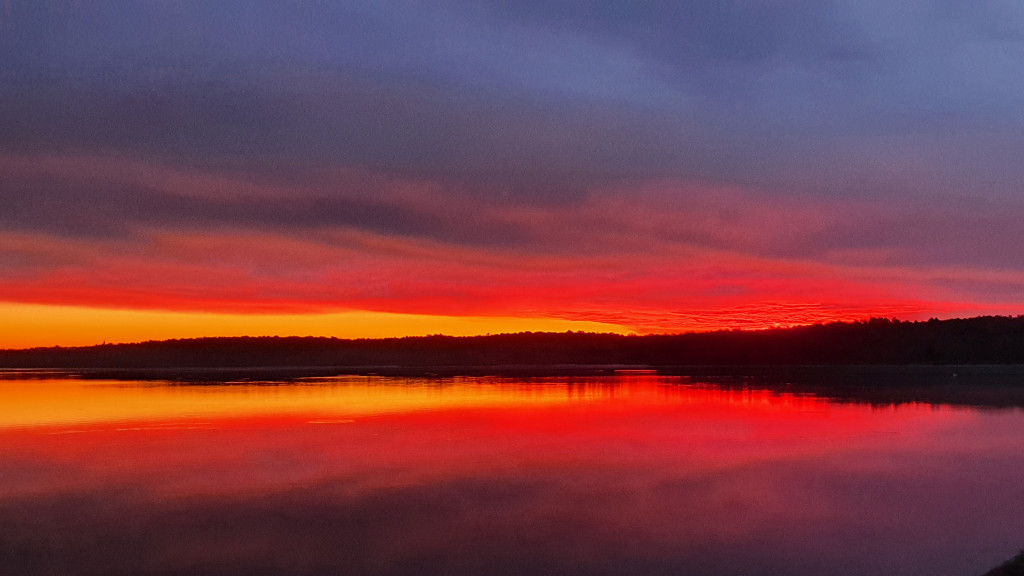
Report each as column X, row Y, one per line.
column 40, row 325
column 45, row 325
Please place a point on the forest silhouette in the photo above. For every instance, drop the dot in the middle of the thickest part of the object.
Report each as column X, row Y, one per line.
column 878, row 341
column 1014, row 567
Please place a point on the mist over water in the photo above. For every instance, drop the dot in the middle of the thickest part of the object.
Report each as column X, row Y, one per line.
column 620, row 474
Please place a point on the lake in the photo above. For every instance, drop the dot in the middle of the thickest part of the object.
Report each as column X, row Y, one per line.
column 621, row 473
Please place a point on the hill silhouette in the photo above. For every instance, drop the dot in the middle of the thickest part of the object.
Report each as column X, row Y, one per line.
column 1014, row 567
column 878, row 341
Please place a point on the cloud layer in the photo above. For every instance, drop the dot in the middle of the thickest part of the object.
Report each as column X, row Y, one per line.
column 660, row 166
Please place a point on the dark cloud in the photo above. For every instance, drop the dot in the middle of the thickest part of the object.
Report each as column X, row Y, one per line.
column 480, row 142
column 701, row 33
column 74, row 205
column 535, row 100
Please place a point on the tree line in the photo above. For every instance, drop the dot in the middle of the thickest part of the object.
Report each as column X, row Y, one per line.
column 878, row 341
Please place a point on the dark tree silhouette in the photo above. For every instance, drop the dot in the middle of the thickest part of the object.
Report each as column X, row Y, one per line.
column 1013, row 567
column 878, row 341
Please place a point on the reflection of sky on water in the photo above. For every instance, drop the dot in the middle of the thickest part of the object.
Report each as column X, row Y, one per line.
column 597, row 476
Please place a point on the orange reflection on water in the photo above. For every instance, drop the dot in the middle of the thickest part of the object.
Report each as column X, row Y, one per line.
column 57, row 401
column 246, row 436
column 566, row 475
column 67, row 401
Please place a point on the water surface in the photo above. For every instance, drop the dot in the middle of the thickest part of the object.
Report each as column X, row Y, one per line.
column 618, row 474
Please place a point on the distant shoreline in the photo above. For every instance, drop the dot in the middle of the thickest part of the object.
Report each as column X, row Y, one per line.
column 992, row 340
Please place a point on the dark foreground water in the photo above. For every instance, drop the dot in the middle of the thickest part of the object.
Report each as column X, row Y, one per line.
column 623, row 474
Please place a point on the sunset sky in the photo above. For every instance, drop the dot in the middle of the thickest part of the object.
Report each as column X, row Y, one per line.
column 187, row 168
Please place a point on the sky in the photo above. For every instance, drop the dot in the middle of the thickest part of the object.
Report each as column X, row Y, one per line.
column 363, row 169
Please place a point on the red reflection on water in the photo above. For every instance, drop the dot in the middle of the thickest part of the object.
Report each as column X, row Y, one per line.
column 557, row 474
column 462, row 430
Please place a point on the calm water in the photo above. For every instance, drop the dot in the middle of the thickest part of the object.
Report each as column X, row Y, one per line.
column 627, row 474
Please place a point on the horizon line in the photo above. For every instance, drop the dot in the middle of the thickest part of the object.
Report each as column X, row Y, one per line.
column 633, row 334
